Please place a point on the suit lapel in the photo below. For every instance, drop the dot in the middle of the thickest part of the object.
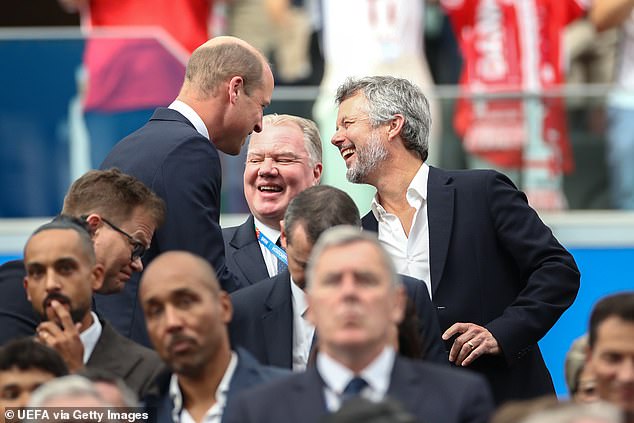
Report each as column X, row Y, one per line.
column 277, row 322
column 308, row 404
column 440, row 211
column 107, row 353
column 404, row 386
column 247, row 254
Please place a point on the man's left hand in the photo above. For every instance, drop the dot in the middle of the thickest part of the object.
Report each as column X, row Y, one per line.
column 473, row 342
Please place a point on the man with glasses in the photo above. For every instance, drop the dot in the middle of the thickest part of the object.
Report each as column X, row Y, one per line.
column 62, row 272
column 122, row 214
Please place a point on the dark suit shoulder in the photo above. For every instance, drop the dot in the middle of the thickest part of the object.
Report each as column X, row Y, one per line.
column 137, row 365
column 17, row 318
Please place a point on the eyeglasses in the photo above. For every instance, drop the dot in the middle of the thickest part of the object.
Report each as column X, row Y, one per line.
column 138, row 249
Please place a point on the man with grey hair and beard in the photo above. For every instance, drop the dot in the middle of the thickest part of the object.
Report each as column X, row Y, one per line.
column 497, row 275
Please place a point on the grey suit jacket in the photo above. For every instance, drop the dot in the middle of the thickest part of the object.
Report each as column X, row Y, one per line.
column 137, row 365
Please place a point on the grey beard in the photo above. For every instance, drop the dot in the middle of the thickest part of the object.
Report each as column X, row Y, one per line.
column 368, row 159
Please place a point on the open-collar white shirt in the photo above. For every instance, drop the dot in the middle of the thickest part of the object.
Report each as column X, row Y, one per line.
column 303, row 330
column 410, row 255
column 214, row 414
column 90, row 337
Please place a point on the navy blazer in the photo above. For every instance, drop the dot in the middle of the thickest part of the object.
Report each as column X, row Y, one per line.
column 248, row 374
column 494, row 262
column 430, row 392
column 183, row 168
column 17, row 317
column 262, row 321
column 243, row 254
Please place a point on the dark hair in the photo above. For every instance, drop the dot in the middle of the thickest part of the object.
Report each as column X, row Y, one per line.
column 410, row 343
column 26, row 354
column 113, row 194
column 620, row 305
column 72, row 223
column 209, row 66
column 319, row 208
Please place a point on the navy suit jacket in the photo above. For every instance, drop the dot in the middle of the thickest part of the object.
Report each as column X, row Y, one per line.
column 431, row 392
column 495, row 263
column 183, row 168
column 248, row 374
column 17, row 317
column 262, row 320
column 243, row 254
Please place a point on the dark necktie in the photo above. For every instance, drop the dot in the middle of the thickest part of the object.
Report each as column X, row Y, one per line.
column 353, row 389
column 281, row 266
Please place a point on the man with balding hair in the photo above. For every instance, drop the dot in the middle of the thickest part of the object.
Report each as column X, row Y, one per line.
column 187, row 314
column 227, row 85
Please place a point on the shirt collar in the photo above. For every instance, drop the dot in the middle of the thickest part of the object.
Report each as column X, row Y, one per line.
column 377, row 374
column 270, row 233
column 299, row 299
column 90, row 337
column 416, row 193
column 191, row 115
column 221, row 392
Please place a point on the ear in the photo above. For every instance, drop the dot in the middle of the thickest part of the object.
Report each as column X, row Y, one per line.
column 94, row 222
column 98, row 274
column 25, row 283
column 226, row 307
column 395, row 126
column 319, row 167
column 283, row 238
column 400, row 300
column 236, row 85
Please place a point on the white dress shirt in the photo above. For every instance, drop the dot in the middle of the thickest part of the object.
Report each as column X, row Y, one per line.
column 410, row 255
column 269, row 258
column 336, row 377
column 90, row 337
column 303, row 330
column 189, row 113
column 214, row 414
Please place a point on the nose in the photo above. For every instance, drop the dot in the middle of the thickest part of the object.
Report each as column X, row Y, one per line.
column 626, row 371
column 337, row 138
column 137, row 265
column 268, row 168
column 173, row 320
column 348, row 285
column 52, row 283
column 258, row 126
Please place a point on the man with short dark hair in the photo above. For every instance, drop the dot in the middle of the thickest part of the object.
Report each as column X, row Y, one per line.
column 121, row 213
column 270, row 317
column 25, row 364
column 611, row 350
column 187, row 313
column 62, row 273
column 355, row 299
column 227, row 85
